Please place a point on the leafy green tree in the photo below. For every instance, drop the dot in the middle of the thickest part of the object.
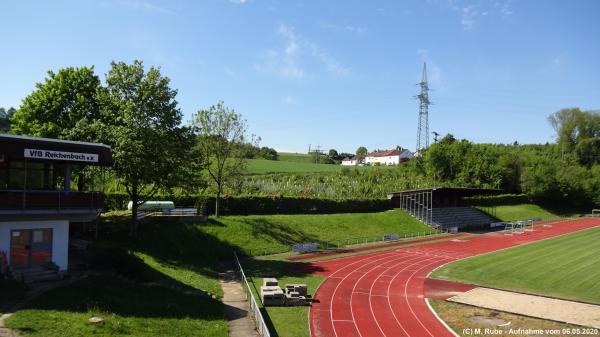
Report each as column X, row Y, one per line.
column 362, row 151
column 268, row 153
column 63, row 106
column 578, row 132
column 221, row 132
column 140, row 120
column 5, row 116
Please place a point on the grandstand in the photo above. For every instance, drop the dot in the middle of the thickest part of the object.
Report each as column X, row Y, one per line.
column 444, row 207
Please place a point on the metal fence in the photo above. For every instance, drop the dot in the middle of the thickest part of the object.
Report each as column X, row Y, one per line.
column 259, row 321
column 346, row 242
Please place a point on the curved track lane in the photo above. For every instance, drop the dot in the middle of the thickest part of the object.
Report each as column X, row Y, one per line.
column 382, row 294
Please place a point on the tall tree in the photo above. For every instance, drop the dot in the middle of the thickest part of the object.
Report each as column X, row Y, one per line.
column 578, row 132
column 361, row 151
column 5, row 116
column 141, row 121
column 221, row 132
column 63, row 106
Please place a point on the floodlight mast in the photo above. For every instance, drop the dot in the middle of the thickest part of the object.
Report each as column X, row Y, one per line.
column 423, row 125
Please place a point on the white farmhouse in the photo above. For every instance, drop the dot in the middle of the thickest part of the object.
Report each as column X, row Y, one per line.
column 353, row 161
column 388, row 157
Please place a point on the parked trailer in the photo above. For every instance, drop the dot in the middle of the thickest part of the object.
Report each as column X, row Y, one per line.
column 153, row 206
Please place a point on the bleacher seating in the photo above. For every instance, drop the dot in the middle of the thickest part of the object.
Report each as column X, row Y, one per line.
column 461, row 217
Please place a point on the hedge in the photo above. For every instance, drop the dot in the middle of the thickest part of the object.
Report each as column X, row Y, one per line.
column 244, row 205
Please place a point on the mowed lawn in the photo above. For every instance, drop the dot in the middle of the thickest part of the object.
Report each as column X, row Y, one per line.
column 276, row 233
column 566, row 267
column 285, row 321
column 128, row 309
column 521, row 212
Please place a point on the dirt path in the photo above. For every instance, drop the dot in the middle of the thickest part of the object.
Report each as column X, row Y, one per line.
column 237, row 310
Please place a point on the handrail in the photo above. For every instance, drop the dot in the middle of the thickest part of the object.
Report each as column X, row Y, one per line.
column 259, row 321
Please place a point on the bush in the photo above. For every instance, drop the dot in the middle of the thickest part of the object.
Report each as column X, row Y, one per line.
column 262, row 205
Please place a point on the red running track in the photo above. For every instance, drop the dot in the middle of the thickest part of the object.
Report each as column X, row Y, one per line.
column 382, row 294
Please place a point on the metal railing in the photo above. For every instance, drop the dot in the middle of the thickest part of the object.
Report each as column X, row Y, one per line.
column 346, row 242
column 259, row 320
column 50, row 199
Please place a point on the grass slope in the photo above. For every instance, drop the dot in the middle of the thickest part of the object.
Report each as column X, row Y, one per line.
column 566, row 267
column 294, row 157
column 127, row 310
column 187, row 254
column 277, row 232
column 521, row 212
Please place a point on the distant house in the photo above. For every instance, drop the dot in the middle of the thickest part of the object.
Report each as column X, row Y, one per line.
column 353, row 161
column 388, row 157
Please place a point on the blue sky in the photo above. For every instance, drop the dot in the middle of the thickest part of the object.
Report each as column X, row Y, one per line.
column 339, row 74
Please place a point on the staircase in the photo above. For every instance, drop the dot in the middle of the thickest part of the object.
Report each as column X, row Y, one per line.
column 37, row 274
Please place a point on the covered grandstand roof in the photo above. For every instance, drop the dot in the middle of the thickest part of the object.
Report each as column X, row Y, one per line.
column 450, row 191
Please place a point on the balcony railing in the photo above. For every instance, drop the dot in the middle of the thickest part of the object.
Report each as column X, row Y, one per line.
column 55, row 201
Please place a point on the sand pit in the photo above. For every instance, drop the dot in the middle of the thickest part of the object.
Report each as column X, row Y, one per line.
column 533, row 306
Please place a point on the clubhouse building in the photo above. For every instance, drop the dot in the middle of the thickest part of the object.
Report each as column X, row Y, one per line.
column 46, row 185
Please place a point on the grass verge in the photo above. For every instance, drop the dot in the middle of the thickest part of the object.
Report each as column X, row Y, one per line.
column 127, row 309
column 565, row 267
column 283, row 321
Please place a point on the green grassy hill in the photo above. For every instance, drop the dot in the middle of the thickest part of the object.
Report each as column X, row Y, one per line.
column 521, row 212
column 565, row 267
column 295, row 157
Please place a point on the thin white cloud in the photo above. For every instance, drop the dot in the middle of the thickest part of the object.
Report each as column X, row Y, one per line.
column 358, row 30
column 239, row 2
column 470, row 16
column 143, row 5
column 289, row 60
column 472, row 12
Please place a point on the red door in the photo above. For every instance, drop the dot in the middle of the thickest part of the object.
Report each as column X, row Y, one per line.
column 20, row 248
column 30, row 247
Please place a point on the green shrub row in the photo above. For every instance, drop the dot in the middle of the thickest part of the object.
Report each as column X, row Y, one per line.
column 244, row 205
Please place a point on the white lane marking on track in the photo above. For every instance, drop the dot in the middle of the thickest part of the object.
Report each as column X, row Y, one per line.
column 371, row 290
column 389, row 297
column 386, row 255
column 356, row 282
column 406, row 296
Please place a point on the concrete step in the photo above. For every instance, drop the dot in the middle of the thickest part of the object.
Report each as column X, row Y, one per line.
column 37, row 274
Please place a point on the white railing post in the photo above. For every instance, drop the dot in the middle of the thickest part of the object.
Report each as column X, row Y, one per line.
column 259, row 321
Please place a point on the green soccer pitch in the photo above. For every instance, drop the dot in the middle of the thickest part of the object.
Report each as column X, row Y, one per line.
column 566, row 267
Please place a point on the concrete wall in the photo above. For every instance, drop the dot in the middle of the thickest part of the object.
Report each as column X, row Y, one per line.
column 60, row 238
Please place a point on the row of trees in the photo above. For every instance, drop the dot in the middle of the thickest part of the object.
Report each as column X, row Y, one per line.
column 135, row 111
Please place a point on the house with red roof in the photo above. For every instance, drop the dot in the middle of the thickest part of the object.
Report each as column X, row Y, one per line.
column 388, row 157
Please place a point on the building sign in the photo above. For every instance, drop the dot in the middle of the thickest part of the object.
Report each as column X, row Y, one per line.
column 61, row 155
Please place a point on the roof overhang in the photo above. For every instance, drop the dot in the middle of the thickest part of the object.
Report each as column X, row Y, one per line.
column 450, row 191
column 16, row 147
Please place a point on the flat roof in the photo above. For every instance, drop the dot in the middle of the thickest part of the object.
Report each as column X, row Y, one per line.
column 14, row 146
column 459, row 191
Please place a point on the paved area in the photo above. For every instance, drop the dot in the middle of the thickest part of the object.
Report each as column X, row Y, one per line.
column 237, row 310
column 4, row 331
column 533, row 306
